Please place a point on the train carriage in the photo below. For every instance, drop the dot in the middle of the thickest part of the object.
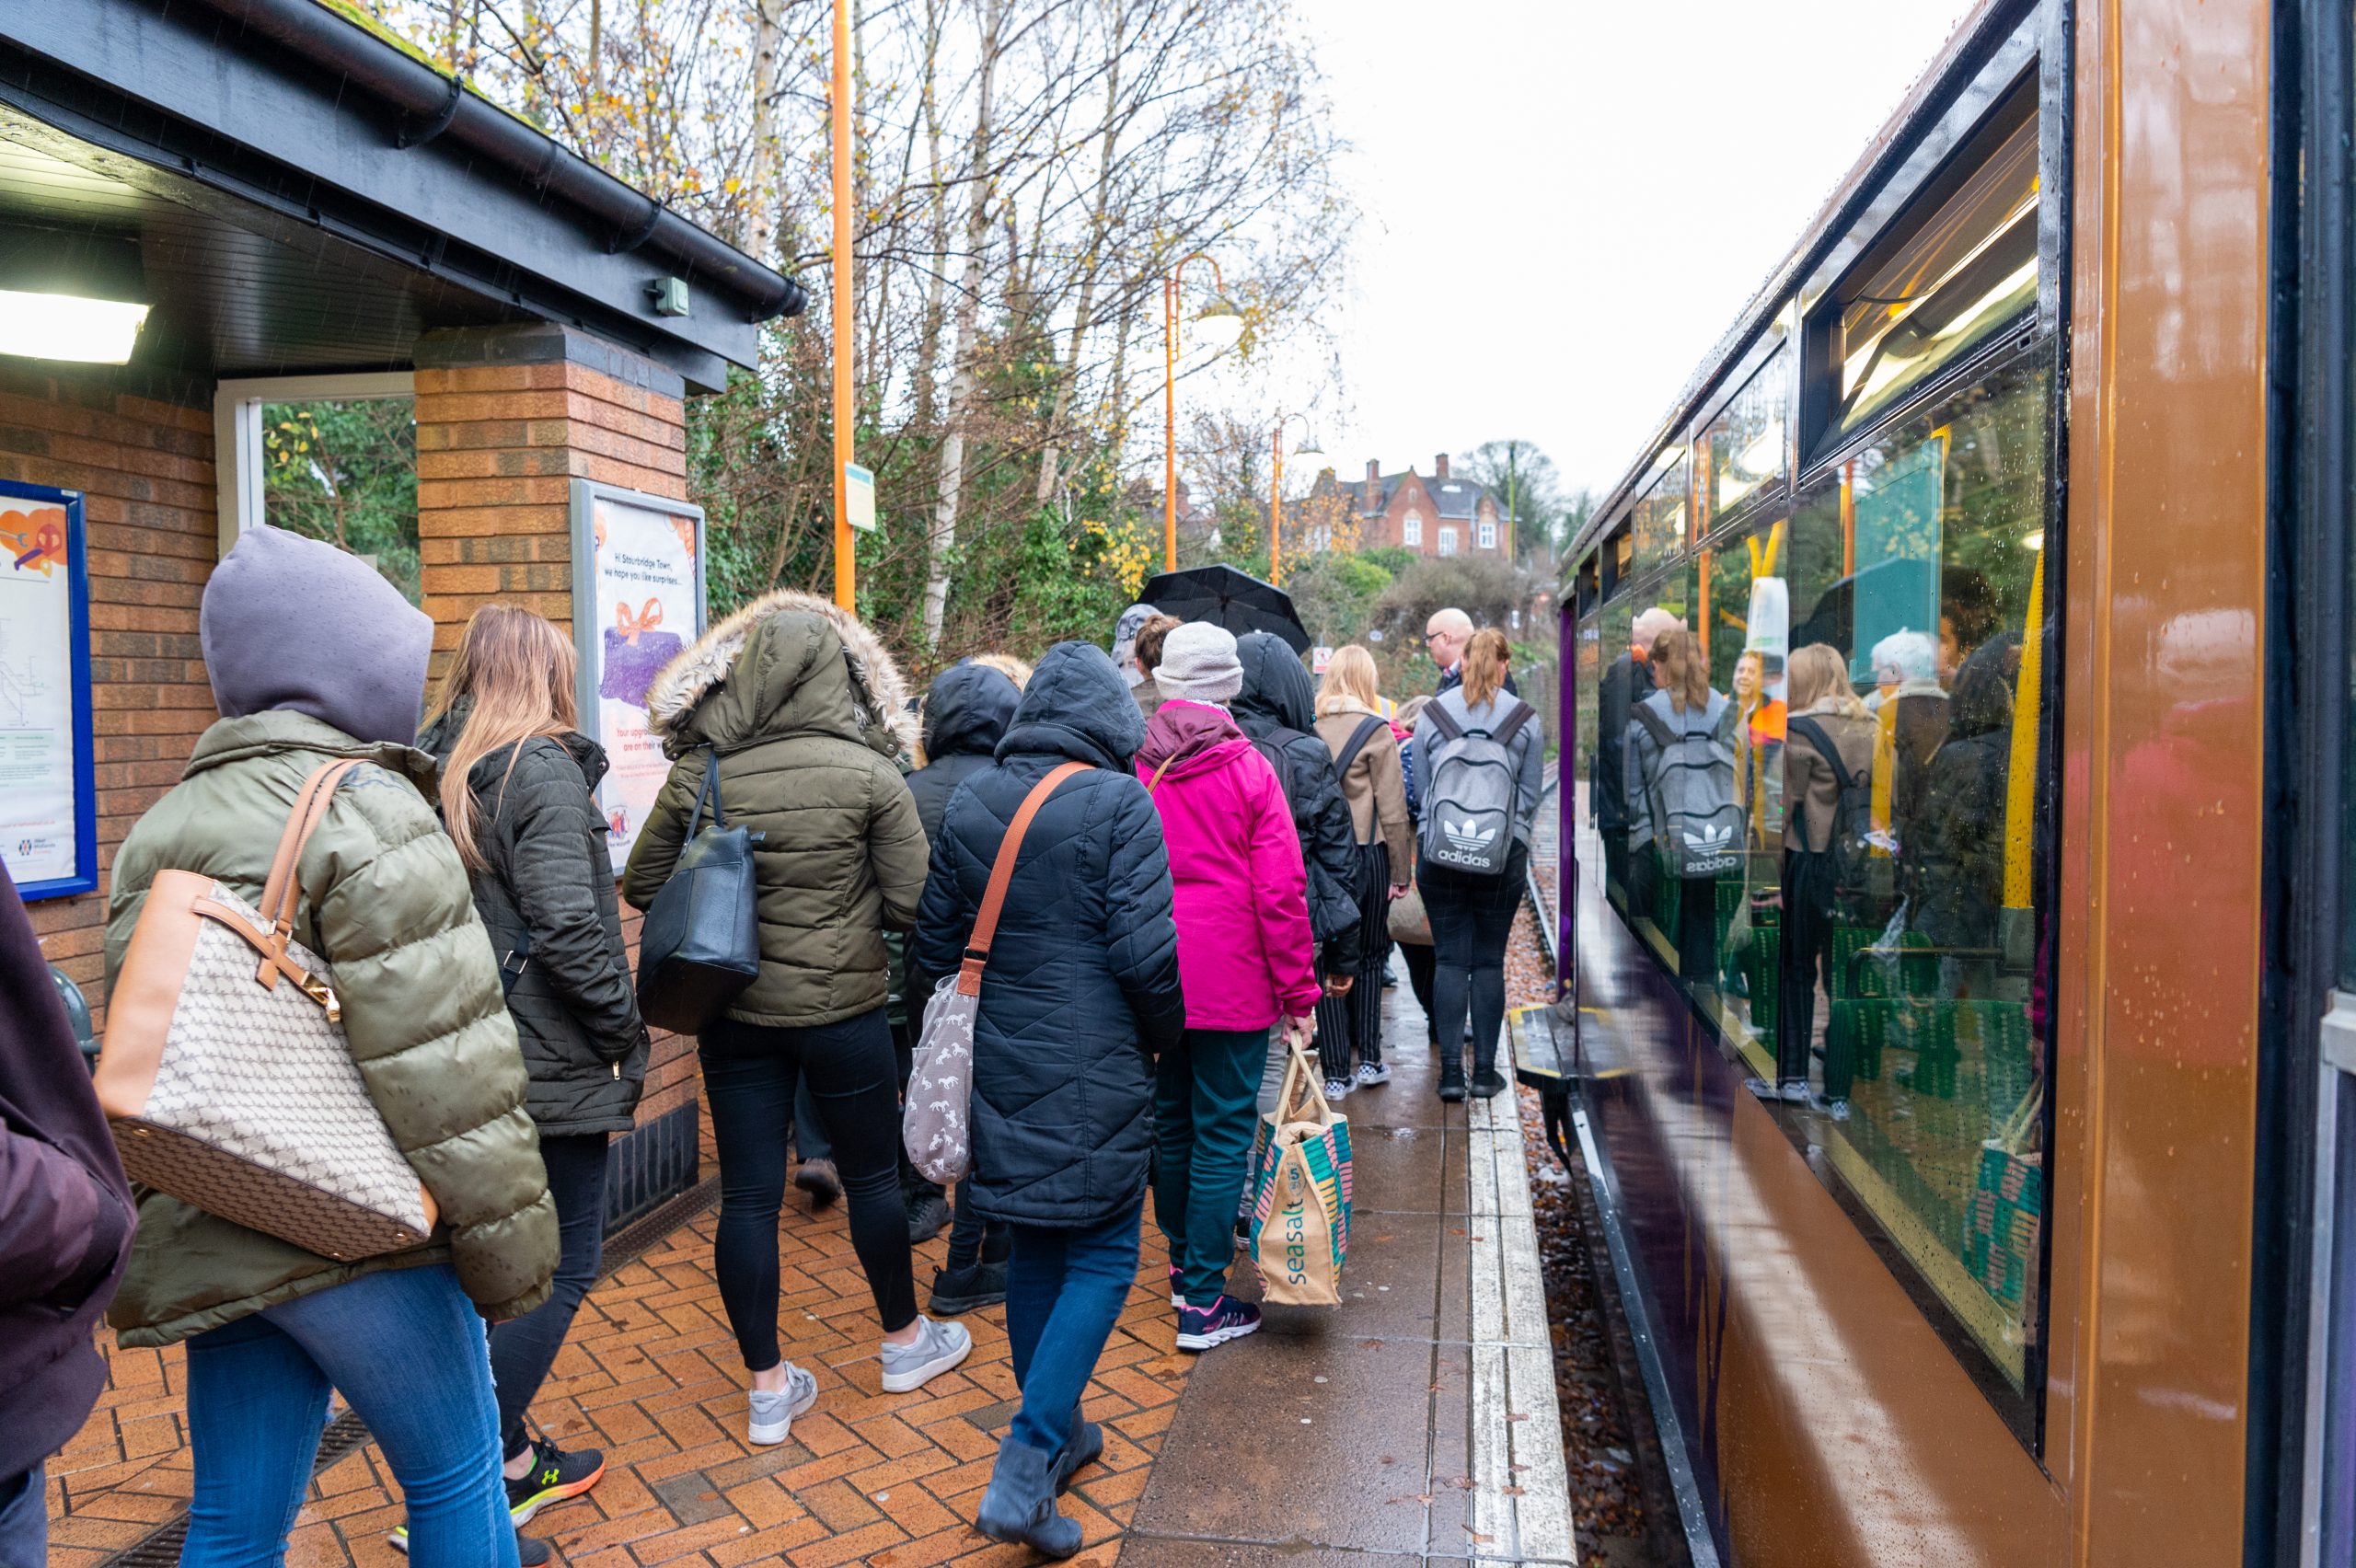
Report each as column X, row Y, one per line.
column 2025, row 487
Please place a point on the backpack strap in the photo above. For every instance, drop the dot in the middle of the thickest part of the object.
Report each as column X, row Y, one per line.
column 1814, row 733
column 1505, row 732
column 1359, row 738
column 977, row 950
column 1444, row 722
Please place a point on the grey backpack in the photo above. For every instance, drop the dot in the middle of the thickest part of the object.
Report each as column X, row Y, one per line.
column 1474, row 793
column 1697, row 821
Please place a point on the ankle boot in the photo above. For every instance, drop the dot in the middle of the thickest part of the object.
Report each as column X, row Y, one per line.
column 1486, row 1083
column 1082, row 1449
column 1452, row 1075
column 1020, row 1505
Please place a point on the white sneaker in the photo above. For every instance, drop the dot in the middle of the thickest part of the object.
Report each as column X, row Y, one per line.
column 1336, row 1087
column 1371, row 1073
column 937, row 1347
column 772, row 1415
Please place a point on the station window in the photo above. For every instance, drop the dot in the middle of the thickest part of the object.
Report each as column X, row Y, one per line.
column 345, row 470
column 1411, row 531
column 1489, row 536
column 1447, row 541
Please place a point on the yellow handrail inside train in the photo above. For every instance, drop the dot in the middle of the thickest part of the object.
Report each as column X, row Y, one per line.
column 2020, row 785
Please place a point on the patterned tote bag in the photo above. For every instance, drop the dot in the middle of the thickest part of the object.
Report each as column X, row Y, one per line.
column 1301, row 1192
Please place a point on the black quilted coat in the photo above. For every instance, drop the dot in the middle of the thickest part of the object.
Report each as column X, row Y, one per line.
column 1277, row 709
column 1082, row 983
column 549, row 896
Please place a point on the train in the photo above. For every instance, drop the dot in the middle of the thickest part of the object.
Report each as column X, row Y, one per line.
column 1953, row 950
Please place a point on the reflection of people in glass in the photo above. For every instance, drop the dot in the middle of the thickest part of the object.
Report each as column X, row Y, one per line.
column 1627, row 682
column 1759, row 739
column 1912, row 715
column 1962, row 827
column 1969, row 616
column 1827, row 723
column 1680, row 755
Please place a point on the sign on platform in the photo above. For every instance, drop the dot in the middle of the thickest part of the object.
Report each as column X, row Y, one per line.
column 638, row 584
column 48, row 794
column 1319, row 658
column 859, row 497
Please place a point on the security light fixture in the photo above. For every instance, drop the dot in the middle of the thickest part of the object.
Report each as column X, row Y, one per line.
column 68, row 295
column 66, row 326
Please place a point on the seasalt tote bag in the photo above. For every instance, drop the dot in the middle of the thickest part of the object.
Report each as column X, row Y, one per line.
column 1300, row 1186
column 226, row 1076
column 702, row 943
column 937, row 1126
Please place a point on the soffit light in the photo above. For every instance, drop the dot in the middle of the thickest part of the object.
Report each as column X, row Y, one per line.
column 67, row 326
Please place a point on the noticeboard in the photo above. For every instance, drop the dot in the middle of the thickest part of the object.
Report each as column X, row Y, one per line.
column 638, row 603
column 48, row 785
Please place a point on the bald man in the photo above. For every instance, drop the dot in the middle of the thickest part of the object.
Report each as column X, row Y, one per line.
column 1445, row 636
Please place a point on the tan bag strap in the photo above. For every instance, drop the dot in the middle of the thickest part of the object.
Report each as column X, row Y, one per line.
column 1159, row 772
column 1301, row 1069
column 279, row 894
column 978, row 950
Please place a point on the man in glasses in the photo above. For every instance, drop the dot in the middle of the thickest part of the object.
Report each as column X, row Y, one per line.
column 1445, row 636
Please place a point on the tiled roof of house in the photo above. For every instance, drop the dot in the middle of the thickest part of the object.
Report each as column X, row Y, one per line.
column 1453, row 498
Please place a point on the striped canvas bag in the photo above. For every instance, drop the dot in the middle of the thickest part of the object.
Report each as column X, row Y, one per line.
column 1301, row 1192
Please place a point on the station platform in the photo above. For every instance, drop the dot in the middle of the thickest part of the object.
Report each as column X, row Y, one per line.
column 1416, row 1423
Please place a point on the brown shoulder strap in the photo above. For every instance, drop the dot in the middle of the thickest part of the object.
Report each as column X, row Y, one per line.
column 978, row 950
column 279, row 894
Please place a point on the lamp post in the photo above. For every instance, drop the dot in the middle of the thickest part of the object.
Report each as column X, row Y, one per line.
column 1308, row 448
column 846, row 552
column 1222, row 324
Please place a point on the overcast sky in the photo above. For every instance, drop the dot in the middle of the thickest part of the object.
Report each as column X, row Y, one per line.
column 1568, row 201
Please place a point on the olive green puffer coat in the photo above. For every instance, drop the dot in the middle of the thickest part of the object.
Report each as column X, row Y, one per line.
column 385, row 902
column 801, row 705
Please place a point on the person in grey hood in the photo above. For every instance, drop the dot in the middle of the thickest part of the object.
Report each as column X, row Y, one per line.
column 315, row 660
column 1278, row 708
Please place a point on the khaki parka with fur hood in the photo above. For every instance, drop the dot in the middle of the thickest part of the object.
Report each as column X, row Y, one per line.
column 805, row 711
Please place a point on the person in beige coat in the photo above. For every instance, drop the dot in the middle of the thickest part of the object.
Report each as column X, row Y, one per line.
column 1365, row 755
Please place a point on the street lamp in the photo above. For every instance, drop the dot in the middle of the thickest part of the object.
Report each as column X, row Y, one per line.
column 1222, row 326
column 1308, row 448
column 846, row 552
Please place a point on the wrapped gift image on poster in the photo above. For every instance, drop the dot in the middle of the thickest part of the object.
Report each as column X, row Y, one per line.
column 635, row 653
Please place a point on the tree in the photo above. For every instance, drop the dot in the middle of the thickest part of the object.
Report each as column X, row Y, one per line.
column 1522, row 478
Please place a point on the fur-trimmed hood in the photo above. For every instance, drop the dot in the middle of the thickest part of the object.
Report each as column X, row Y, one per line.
column 806, row 664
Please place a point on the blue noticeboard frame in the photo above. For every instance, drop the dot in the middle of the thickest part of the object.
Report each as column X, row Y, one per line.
column 86, row 791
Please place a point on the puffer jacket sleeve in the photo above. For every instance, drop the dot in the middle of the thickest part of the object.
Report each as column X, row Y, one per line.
column 895, row 846
column 1138, row 917
column 1279, row 893
column 1333, row 855
column 549, row 825
column 425, row 1020
column 665, row 832
column 945, row 914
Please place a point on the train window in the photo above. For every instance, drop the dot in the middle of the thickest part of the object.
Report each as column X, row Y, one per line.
column 1661, row 515
column 1588, row 592
column 1618, row 684
column 1619, row 559
column 1741, row 452
column 1956, row 271
column 1589, row 669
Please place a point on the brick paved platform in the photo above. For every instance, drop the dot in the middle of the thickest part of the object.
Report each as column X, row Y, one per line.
column 1393, row 1426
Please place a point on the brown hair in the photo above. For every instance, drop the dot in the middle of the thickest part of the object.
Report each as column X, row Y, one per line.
column 1817, row 673
column 1349, row 677
column 1150, row 639
column 517, row 669
column 1484, row 666
column 1680, row 670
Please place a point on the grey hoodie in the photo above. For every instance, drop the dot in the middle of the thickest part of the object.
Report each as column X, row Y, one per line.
column 296, row 623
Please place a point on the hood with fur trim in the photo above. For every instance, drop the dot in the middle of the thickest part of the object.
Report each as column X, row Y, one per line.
column 788, row 661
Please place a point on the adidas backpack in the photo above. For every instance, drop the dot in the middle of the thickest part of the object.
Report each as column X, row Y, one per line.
column 1474, row 793
column 1696, row 820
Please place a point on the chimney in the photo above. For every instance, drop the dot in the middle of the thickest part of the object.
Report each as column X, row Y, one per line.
column 1373, row 502
column 1440, row 467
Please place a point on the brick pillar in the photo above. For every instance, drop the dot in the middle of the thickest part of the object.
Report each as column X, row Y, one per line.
column 507, row 416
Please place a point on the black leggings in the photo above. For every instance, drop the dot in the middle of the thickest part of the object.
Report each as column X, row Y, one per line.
column 749, row 1073
column 1805, row 961
column 1472, row 919
column 1356, row 1019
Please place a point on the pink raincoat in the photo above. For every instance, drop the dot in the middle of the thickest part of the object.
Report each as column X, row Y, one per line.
column 1241, row 905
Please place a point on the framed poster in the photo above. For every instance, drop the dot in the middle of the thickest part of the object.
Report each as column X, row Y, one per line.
column 49, row 814
column 637, row 604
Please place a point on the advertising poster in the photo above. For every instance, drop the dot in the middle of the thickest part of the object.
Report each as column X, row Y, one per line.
column 637, row 604
column 48, row 816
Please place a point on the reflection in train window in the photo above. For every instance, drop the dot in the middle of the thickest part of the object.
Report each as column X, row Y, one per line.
column 1661, row 515
column 1608, row 794
column 1741, row 453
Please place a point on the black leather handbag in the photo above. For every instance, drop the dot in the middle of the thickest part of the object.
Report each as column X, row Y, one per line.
column 700, row 945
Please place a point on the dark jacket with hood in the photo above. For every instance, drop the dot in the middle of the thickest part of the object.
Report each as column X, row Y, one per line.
column 966, row 712
column 1083, row 982
column 382, row 897
column 1083, row 986
column 1958, row 848
column 549, row 901
column 65, row 1208
column 798, row 701
column 1277, row 708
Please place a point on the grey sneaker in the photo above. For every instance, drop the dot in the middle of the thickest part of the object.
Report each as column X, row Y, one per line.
column 1371, row 1073
column 937, row 1347
column 1336, row 1087
column 773, row 1414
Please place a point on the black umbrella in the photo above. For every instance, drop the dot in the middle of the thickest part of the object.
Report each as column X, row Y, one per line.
column 1224, row 596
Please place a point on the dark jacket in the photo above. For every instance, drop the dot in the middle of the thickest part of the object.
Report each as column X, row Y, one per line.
column 65, row 1208
column 1627, row 682
column 966, row 712
column 797, row 699
column 1960, row 842
column 549, row 897
column 1082, row 983
column 1278, row 708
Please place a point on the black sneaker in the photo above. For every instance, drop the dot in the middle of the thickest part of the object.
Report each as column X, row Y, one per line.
column 531, row 1552
column 1488, row 1085
column 1200, row 1328
column 927, row 1216
column 818, row 1177
column 555, row 1475
column 1451, row 1082
column 967, row 1289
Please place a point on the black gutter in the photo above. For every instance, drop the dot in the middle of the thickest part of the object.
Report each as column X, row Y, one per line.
column 431, row 107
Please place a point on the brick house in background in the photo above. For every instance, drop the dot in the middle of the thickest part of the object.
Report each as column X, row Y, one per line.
column 1442, row 515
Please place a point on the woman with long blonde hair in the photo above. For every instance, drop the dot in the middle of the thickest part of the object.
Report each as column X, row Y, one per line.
column 1351, row 722
column 1827, row 751
column 516, row 785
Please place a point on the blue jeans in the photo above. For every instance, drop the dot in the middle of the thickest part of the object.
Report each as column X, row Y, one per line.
column 24, row 1519
column 524, row 1349
column 1205, row 1108
column 1064, row 1292
column 407, row 1349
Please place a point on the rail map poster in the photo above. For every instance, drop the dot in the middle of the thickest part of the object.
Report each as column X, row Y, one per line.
column 48, row 819
column 637, row 604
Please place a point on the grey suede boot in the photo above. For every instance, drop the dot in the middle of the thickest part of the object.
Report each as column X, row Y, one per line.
column 1082, row 1449
column 1021, row 1504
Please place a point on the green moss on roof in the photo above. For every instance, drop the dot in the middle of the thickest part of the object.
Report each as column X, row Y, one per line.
column 366, row 21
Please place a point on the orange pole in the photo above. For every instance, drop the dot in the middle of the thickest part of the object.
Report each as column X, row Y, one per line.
column 1170, row 401
column 1277, row 511
column 846, row 551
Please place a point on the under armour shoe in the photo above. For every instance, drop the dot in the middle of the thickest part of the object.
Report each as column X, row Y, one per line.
column 1199, row 1328
column 554, row 1476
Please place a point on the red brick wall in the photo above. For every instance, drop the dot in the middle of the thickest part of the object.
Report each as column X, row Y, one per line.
column 145, row 468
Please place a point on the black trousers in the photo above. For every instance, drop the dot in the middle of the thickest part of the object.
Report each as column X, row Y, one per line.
column 749, row 1074
column 1806, row 960
column 1354, row 1023
column 1472, row 920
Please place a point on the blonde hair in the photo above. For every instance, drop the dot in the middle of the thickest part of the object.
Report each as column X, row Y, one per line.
column 1484, row 666
column 1006, row 664
column 1680, row 670
column 517, row 668
column 1818, row 673
column 1350, row 679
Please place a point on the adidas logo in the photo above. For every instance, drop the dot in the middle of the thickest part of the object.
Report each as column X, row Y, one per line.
column 1466, row 835
column 1709, row 837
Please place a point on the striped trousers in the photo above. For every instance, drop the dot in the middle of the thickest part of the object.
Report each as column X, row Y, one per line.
column 1354, row 1023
